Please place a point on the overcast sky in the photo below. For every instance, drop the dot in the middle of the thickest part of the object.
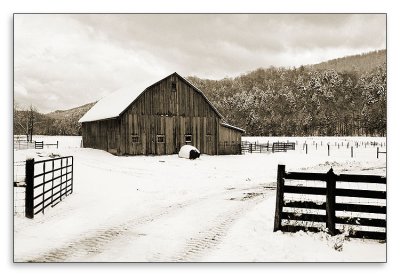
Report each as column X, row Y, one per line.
column 64, row 61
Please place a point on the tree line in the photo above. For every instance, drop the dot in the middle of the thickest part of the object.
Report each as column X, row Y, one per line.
column 28, row 121
column 302, row 101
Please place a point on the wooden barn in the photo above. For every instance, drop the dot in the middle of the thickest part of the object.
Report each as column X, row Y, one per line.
column 158, row 120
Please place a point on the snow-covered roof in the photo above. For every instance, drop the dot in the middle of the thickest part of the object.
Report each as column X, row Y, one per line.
column 112, row 105
column 233, row 127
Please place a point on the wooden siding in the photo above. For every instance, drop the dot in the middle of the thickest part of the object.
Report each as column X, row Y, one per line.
column 172, row 114
column 163, row 112
column 229, row 140
column 103, row 135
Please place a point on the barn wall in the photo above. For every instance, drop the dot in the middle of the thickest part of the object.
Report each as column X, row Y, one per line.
column 172, row 113
column 103, row 135
column 229, row 140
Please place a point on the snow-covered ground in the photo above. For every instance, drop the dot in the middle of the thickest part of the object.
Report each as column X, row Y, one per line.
column 166, row 208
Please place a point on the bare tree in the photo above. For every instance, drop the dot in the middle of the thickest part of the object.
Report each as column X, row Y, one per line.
column 26, row 119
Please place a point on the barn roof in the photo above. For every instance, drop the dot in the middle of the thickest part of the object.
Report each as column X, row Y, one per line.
column 114, row 104
column 232, row 127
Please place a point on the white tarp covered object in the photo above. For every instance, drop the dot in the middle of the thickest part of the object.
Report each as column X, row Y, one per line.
column 189, row 152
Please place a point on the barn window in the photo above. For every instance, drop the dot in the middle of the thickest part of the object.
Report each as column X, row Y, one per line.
column 173, row 86
column 188, row 138
column 135, row 138
column 160, row 138
column 208, row 137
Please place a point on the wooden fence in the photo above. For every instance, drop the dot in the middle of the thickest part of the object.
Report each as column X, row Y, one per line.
column 24, row 144
column 283, row 147
column 47, row 183
column 379, row 152
column 39, row 145
column 266, row 147
column 330, row 191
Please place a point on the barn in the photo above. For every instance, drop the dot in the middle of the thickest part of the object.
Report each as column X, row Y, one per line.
column 158, row 120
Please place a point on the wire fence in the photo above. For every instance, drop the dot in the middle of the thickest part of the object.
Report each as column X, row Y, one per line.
column 19, row 200
column 23, row 144
column 19, row 173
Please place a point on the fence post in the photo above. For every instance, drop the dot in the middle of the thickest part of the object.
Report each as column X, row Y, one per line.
column 251, row 148
column 57, row 143
column 351, row 151
column 330, row 201
column 279, row 197
column 72, row 174
column 306, row 148
column 328, row 149
column 377, row 153
column 29, row 174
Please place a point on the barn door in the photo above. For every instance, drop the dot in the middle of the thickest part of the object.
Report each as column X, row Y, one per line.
column 161, row 142
column 169, row 135
column 152, row 136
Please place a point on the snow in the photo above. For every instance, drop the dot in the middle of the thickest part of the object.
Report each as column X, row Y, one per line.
column 142, row 208
column 112, row 105
column 295, row 247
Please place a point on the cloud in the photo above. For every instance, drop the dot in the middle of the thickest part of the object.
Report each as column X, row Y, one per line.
column 62, row 61
column 20, row 90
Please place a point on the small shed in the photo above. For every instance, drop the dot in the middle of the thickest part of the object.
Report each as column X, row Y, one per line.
column 158, row 120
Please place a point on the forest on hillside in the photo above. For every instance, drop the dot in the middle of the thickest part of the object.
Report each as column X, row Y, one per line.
column 360, row 64
column 61, row 122
column 302, row 101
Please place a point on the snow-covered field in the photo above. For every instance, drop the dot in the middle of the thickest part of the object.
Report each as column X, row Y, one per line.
column 166, row 208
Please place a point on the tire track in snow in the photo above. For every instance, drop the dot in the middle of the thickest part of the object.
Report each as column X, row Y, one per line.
column 213, row 235
column 94, row 241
